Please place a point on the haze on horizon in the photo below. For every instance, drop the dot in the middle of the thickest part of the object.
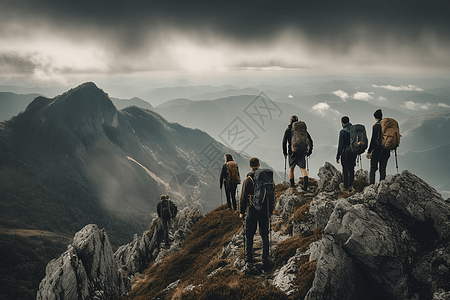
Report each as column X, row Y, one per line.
column 60, row 42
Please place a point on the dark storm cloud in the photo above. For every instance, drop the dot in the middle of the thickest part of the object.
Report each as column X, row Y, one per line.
column 243, row 21
column 140, row 27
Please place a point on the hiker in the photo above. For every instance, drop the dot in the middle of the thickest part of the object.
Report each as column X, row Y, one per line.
column 166, row 210
column 258, row 208
column 348, row 159
column 230, row 178
column 378, row 156
column 299, row 145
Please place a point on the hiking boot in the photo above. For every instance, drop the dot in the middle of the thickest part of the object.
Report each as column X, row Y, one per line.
column 291, row 183
column 305, row 183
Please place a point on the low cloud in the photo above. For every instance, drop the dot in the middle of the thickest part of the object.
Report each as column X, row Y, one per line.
column 323, row 109
column 341, row 94
column 416, row 105
column 363, row 96
column 408, row 88
column 423, row 106
column 381, row 98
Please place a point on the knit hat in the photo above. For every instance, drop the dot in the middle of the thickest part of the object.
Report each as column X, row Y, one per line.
column 378, row 114
column 163, row 197
column 293, row 118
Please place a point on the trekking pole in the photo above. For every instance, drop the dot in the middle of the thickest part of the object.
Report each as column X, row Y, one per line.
column 285, row 169
column 244, row 232
column 220, row 197
column 270, row 224
column 307, row 163
column 396, row 163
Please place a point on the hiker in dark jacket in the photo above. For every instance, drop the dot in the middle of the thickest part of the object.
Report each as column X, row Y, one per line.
column 166, row 210
column 348, row 160
column 230, row 183
column 378, row 156
column 254, row 217
column 296, row 159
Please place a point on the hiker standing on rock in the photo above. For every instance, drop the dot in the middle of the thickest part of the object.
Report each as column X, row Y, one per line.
column 348, row 159
column 376, row 153
column 230, row 178
column 257, row 199
column 297, row 143
column 166, row 210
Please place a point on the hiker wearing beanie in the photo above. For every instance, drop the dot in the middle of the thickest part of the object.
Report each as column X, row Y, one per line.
column 348, row 159
column 297, row 143
column 378, row 156
column 230, row 178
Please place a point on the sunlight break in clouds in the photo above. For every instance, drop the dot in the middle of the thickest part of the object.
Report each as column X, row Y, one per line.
column 363, row 96
column 341, row 94
column 408, row 88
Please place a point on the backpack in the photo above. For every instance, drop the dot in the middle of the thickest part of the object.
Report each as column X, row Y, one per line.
column 390, row 134
column 168, row 209
column 264, row 188
column 165, row 209
column 232, row 173
column 299, row 137
column 358, row 139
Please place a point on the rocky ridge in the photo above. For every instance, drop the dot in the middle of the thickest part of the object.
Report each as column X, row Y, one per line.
column 390, row 240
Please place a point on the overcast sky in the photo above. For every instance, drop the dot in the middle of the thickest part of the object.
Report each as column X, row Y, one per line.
column 53, row 40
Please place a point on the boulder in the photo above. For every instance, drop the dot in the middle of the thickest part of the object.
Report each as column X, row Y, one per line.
column 414, row 198
column 329, row 178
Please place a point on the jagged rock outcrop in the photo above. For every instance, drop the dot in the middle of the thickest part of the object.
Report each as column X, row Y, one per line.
column 87, row 270
column 378, row 236
column 90, row 270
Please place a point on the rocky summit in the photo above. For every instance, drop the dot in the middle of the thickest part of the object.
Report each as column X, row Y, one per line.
column 390, row 240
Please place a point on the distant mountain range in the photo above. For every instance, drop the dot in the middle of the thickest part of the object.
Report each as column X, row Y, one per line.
column 218, row 110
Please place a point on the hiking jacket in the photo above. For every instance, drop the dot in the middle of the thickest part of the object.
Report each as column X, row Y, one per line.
column 247, row 191
column 171, row 204
column 344, row 139
column 223, row 175
column 287, row 141
column 375, row 140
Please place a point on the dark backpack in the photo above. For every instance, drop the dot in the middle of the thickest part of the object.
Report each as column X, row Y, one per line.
column 390, row 138
column 168, row 209
column 299, row 137
column 165, row 209
column 264, row 188
column 358, row 139
column 232, row 173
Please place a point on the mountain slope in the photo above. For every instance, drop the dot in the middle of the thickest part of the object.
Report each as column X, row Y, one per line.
column 84, row 161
